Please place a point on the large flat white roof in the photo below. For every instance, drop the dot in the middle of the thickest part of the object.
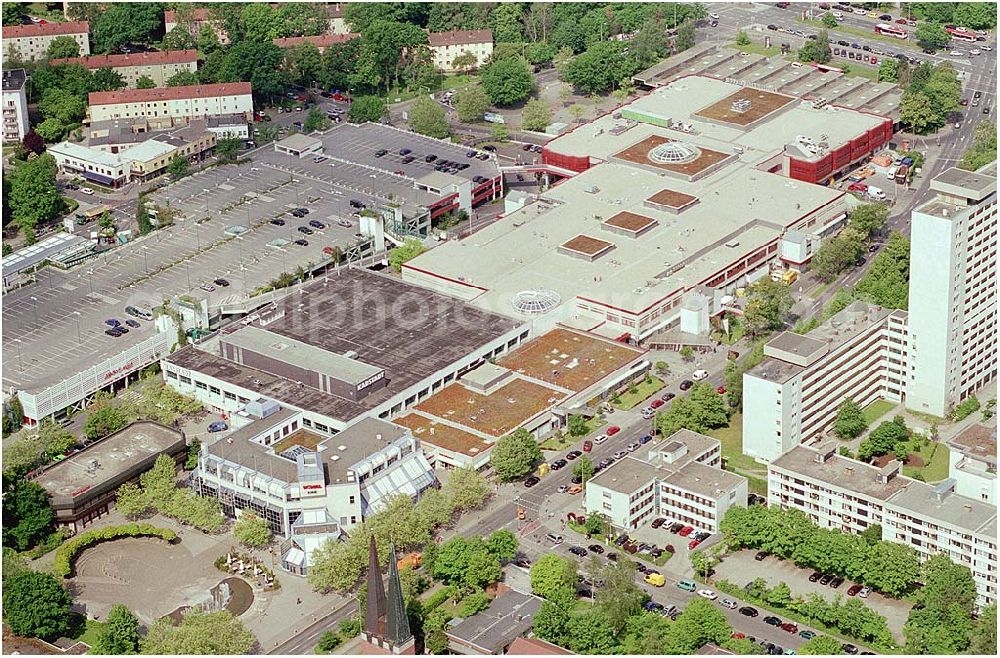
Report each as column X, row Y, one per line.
column 739, row 210
column 682, row 99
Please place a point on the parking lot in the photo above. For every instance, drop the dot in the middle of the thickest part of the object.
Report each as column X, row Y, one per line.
column 56, row 327
column 741, row 568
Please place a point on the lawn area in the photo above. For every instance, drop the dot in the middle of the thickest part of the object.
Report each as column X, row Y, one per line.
column 877, row 409
column 847, row 29
column 643, row 390
column 732, row 447
column 935, row 456
column 860, row 71
column 756, row 48
column 561, row 443
column 84, row 630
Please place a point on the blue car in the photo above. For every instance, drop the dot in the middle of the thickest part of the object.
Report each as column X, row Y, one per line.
column 645, row 438
column 112, row 322
column 218, row 426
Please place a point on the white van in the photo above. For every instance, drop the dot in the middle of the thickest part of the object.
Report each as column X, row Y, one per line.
column 890, row 174
column 875, row 193
column 699, row 375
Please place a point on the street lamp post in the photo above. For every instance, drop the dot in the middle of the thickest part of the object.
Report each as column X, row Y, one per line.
column 242, row 266
column 79, row 337
column 34, row 307
column 20, row 364
column 145, row 257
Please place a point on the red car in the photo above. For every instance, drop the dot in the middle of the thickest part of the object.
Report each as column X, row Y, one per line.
column 656, row 404
column 614, row 429
column 737, row 635
column 858, row 187
column 693, row 544
column 685, row 531
column 902, row 21
column 853, row 591
column 588, row 446
column 721, row 390
column 789, row 627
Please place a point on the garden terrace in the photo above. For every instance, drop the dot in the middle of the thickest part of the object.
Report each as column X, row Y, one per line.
column 443, row 435
column 586, row 247
column 495, row 414
column 629, row 223
column 671, row 200
column 570, row 359
column 762, row 105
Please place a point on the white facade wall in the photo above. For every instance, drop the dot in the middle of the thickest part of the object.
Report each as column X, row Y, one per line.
column 625, row 510
column 869, row 366
column 36, row 47
column 972, row 477
column 444, row 55
column 952, row 306
column 189, row 108
column 78, row 387
column 15, row 115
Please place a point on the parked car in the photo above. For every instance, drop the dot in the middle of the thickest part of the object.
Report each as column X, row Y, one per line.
column 772, row 621
column 531, row 481
column 554, row 538
column 656, row 404
column 218, row 426
column 645, row 438
column 315, row 223
column 814, row 576
column 655, row 579
column 557, row 464
column 676, row 527
column 825, row 579
column 207, row 287
column 87, row 191
column 588, row 446
column 729, row 604
column 699, row 375
column 667, row 397
column 222, row 283
column 789, row 627
column 807, row 634
column 853, row 590
column 658, row 521
column 111, row 322
column 836, row 582
column 685, row 531
column 747, row 611
column 687, row 585
column 849, row 649
column 596, row 548
column 864, row 592
column 693, row 544
column 614, row 429
column 133, row 323
column 578, row 551
column 686, row 384
column 114, row 333
column 761, row 556
column 278, row 222
column 302, row 242
column 573, row 454
column 708, row 594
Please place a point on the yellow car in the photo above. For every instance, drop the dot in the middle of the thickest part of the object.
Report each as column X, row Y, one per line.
column 873, row 14
column 655, row 579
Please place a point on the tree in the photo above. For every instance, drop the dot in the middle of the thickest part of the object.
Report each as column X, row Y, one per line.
column 145, row 82
column 464, row 62
column 471, row 104
column 33, row 143
column 584, row 469
column 427, row 117
column 27, row 516
column 917, row 112
column 577, row 425
column 699, row 624
column 886, row 283
column 51, row 130
column 869, row 218
column 227, row 148
column 768, row 303
column 125, row 23
column 306, row 63
column 466, row 489
column 131, row 501
column 687, row 353
column 984, row 147
column 315, row 120
column 328, row 641
column 410, row 249
column 821, row 645
column 514, row 455
column 984, row 636
column 931, row 36
column 620, row 597
column 199, row 633
column 976, row 16
column 179, row 38
column 551, row 623
column 742, row 39
column 367, row 108
column 507, row 81
column 31, row 192
column 178, row 167
column 36, row 605
column 884, row 438
column 120, row 634
column 816, row 50
column 104, row 421
column 251, row 530
column 499, row 132
column 507, row 23
column 13, row 13
column 888, row 70
column 601, row 68
column 850, row 421
column 685, row 36
column 182, row 79
column 63, row 47
column 829, row 21
column 536, row 115
column 596, row 524
column 591, row 633
column 552, row 572
column 502, row 544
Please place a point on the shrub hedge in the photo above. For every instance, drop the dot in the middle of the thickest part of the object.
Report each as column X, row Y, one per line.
column 66, row 554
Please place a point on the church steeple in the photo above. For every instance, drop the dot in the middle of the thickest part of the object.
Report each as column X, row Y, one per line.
column 387, row 628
